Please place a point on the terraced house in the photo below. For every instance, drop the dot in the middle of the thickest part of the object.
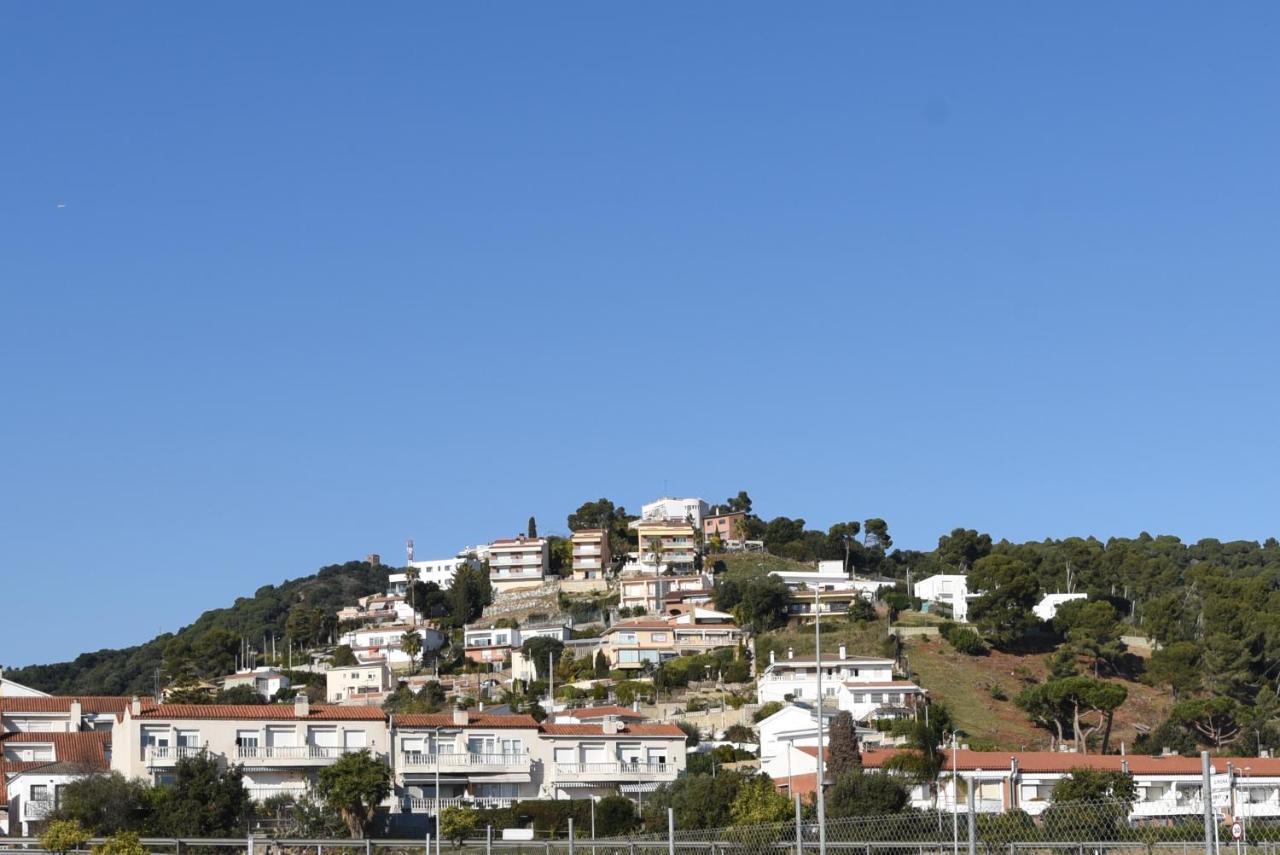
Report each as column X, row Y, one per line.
column 280, row 747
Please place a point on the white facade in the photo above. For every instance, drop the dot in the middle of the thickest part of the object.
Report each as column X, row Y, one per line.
column 868, row 701
column 668, row 508
column 265, row 681
column 519, row 562
column 1047, row 608
column 382, row 643
column 10, row 689
column 797, row 678
column 947, row 589
column 438, row 570
column 353, row 681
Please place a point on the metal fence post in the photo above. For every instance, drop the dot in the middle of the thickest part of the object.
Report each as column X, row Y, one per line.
column 570, row 835
column 973, row 822
column 1206, row 796
column 368, row 846
column 488, row 840
column 248, row 847
column 671, row 831
column 799, row 841
column 425, row 851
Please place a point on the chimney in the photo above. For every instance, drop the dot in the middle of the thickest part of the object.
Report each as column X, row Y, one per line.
column 635, row 705
column 461, row 717
column 135, row 706
column 842, row 652
column 610, row 725
column 301, row 705
column 791, row 653
column 75, row 713
column 772, row 658
column 480, row 707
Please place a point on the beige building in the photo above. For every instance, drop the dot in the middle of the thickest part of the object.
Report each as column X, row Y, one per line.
column 356, row 682
column 591, row 760
column 518, row 562
column 667, row 545
column 634, row 644
column 280, row 747
column 662, row 594
column 591, row 560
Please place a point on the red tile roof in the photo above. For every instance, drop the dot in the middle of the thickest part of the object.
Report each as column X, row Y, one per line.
column 88, row 748
column 475, row 720
column 1063, row 762
column 88, row 703
column 623, row 732
column 638, row 623
column 261, row 711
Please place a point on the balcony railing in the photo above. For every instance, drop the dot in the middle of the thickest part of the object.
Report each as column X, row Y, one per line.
column 414, row 805
column 171, row 753
column 293, row 752
column 464, row 760
column 261, row 794
column 620, row 770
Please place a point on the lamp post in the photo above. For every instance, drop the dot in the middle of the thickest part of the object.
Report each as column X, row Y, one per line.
column 817, row 658
column 435, row 750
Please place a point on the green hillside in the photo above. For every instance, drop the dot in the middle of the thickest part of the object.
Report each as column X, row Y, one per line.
column 208, row 646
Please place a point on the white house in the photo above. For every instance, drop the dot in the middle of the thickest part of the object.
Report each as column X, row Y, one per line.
column 10, row 689
column 265, row 681
column 873, row 700
column 668, row 508
column 947, row 589
column 438, row 570
column 518, row 562
column 355, row 682
column 382, row 643
column 1047, row 608
column 797, row 678
column 789, row 740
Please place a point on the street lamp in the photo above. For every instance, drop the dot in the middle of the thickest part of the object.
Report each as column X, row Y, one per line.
column 817, row 658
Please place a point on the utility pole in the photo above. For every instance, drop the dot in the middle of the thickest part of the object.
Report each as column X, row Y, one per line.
column 1206, row 794
column 817, row 656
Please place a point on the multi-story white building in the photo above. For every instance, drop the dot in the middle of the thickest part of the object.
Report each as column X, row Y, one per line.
column 382, row 644
column 35, row 766
column 795, row 678
column 62, row 714
column 352, row 683
column 668, row 508
column 948, row 590
column 666, row 546
column 592, row 760
column 438, row 570
column 280, row 747
column 654, row 594
column 518, row 562
column 872, row 700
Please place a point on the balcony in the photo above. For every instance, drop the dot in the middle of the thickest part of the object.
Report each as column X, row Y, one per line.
column 432, row 806
column 261, row 794
column 614, row 771
column 946, row 804
column 464, row 761
column 1169, row 806
column 169, row 755
column 291, row 755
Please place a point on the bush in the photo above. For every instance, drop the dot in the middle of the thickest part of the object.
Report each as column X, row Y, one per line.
column 767, row 710
column 862, row 611
column 997, row 693
column 692, row 736
column 697, row 704
column 458, row 822
column 966, row 641
column 121, row 843
column 615, row 816
column 62, row 835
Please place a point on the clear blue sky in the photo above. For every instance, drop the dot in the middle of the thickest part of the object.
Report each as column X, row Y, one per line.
column 333, row 275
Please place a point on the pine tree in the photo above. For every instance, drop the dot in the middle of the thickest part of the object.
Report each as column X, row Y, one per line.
column 843, row 755
column 533, row 527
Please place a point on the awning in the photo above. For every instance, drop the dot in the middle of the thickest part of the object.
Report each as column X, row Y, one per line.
column 647, row 787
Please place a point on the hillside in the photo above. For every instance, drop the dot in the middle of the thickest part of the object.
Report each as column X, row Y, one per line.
column 132, row 670
column 964, row 684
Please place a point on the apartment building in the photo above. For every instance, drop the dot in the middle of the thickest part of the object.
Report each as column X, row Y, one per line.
column 797, row 678
column 35, row 766
column 280, row 747
column 591, row 760
column 463, row 758
column 668, row 508
column 667, row 546
column 724, row 525
column 518, row 562
column 699, row 630
column 591, row 561
column 487, row 643
column 354, row 683
column 378, row 609
column 438, row 570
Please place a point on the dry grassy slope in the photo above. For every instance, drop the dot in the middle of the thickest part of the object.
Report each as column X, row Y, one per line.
column 964, row 684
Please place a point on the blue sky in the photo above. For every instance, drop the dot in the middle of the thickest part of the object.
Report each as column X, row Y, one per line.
column 329, row 276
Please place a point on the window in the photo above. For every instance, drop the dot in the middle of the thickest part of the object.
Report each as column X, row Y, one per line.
column 39, row 792
column 658, row 637
column 247, row 738
column 626, row 638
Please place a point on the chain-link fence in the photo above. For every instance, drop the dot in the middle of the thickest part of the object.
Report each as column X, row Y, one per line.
column 1092, row 828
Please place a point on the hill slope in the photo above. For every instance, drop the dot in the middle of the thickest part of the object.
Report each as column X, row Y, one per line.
column 132, row 670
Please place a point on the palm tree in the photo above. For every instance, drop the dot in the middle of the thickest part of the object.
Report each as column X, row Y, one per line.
column 411, row 645
column 411, row 577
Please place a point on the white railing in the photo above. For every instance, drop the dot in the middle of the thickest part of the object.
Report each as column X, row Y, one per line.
column 172, row 752
column 292, row 752
column 464, row 760
column 1168, row 806
column 261, row 794
column 621, row 769
column 415, row 805
column 945, row 803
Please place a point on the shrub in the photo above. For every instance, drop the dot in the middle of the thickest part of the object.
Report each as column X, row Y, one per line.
column 767, row 710
column 997, row 693
column 457, row 822
column 62, row 835
column 121, row 843
column 967, row 641
column 616, row 815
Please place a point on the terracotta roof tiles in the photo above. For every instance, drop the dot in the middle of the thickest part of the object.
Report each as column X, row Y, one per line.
column 623, row 732
column 474, row 720
column 317, row 712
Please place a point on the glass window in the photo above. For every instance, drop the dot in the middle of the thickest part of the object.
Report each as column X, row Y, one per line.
column 39, row 792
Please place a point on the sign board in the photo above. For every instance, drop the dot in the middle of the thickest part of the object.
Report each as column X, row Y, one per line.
column 517, row 834
column 1237, row 831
